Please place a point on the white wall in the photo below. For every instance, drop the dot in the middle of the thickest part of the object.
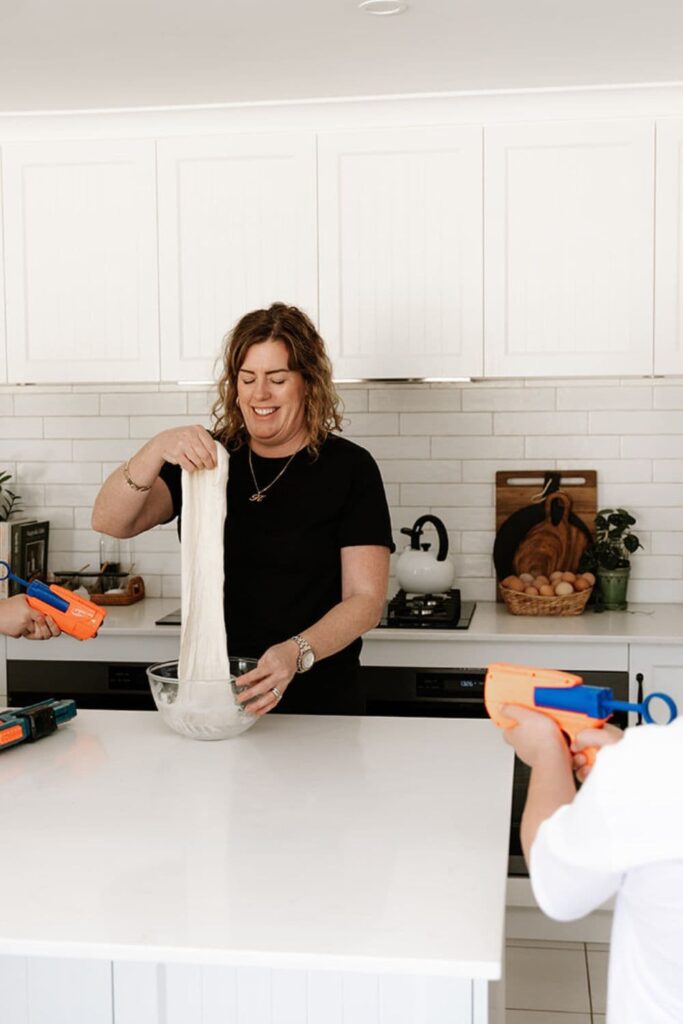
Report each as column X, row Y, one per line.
column 438, row 446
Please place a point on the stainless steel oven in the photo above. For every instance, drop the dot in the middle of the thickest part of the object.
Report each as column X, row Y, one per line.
column 459, row 693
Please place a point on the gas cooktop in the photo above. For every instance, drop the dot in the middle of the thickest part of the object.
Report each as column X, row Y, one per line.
column 427, row 611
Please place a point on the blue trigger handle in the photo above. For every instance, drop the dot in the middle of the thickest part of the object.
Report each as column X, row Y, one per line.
column 36, row 589
column 597, row 701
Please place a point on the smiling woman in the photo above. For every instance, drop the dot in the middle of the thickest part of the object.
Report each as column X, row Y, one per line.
column 307, row 535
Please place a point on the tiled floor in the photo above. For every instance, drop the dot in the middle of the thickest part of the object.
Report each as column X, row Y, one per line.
column 555, row 982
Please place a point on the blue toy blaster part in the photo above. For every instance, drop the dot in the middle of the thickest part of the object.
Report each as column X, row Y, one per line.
column 597, row 701
column 19, row 725
column 37, row 589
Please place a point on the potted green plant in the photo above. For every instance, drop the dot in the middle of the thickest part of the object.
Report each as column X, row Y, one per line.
column 9, row 501
column 609, row 557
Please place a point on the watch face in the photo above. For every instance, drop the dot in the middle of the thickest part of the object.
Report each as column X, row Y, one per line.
column 307, row 659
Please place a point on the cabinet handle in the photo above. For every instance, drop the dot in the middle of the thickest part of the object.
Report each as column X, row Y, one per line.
column 640, row 680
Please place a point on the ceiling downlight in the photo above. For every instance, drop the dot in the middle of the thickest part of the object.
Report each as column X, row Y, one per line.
column 383, row 8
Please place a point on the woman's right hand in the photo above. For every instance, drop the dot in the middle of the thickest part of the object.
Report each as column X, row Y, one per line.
column 599, row 738
column 191, row 448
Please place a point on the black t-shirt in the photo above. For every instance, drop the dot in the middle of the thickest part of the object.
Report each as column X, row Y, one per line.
column 282, row 555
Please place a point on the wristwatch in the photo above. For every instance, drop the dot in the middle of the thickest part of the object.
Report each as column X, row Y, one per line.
column 306, row 657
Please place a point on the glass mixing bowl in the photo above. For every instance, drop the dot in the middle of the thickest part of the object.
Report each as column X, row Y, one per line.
column 204, row 710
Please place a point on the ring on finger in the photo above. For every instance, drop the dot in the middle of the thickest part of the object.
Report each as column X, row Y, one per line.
column 276, row 693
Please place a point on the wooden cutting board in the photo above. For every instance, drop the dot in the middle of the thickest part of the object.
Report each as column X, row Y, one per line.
column 544, row 530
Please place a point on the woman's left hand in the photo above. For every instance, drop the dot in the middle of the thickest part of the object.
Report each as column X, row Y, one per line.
column 266, row 683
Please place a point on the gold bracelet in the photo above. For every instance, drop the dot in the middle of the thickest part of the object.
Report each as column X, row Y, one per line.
column 131, row 483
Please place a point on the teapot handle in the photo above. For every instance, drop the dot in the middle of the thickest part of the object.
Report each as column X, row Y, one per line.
column 416, row 532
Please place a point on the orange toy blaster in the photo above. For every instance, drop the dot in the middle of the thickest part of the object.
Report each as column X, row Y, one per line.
column 71, row 612
column 564, row 697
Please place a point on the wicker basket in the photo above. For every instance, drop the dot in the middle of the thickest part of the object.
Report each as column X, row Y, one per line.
column 529, row 604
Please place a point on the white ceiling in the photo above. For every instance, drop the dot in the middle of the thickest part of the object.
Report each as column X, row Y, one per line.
column 85, row 54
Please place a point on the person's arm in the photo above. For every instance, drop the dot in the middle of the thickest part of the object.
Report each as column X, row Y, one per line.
column 17, row 618
column 121, row 510
column 365, row 575
column 541, row 745
column 563, row 833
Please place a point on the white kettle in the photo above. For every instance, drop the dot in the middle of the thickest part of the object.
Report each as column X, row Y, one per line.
column 419, row 571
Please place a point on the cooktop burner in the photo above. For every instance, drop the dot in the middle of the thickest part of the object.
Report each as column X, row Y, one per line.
column 427, row 611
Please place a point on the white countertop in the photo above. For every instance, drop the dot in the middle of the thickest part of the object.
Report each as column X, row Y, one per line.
column 311, row 842
column 650, row 623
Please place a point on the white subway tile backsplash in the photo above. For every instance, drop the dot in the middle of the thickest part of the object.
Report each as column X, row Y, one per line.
column 664, row 446
column 539, row 423
column 56, row 405
column 629, row 423
column 20, row 427
column 98, row 451
column 160, row 404
column 422, row 471
column 485, row 399
column 667, row 469
column 438, row 445
column 70, row 494
column 144, row 427
column 482, row 471
column 656, row 567
column 604, row 397
column 395, row 447
column 475, row 448
column 78, row 427
column 414, row 399
column 462, row 495
column 366, row 424
column 59, row 472
column 440, row 423
column 669, row 398
column 21, row 450
column 562, row 447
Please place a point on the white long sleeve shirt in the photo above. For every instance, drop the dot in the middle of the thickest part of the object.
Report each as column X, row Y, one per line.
column 623, row 836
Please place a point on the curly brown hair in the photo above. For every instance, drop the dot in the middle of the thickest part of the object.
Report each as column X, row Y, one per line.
column 307, row 355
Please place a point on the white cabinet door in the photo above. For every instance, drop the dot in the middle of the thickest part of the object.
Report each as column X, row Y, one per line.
column 237, row 231
column 661, row 668
column 49, row 990
column 81, row 261
column 400, row 214
column 569, row 248
column 669, row 249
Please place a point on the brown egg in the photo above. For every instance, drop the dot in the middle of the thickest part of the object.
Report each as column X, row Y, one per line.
column 541, row 581
column 531, row 591
column 513, row 583
column 568, row 577
column 582, row 584
column 546, row 590
column 590, row 577
column 563, row 588
column 526, row 577
column 556, row 576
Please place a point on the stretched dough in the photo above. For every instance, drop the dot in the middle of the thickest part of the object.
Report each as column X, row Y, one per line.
column 205, row 706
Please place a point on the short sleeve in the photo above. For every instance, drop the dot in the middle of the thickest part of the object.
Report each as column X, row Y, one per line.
column 171, row 475
column 365, row 517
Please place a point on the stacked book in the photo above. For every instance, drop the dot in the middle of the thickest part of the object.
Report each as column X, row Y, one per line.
column 24, row 545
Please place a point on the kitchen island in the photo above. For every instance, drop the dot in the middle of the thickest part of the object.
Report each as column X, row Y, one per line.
column 312, row 869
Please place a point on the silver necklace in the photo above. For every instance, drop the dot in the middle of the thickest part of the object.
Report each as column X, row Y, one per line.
column 260, row 492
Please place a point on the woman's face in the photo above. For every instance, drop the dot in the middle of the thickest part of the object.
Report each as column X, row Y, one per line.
column 271, row 399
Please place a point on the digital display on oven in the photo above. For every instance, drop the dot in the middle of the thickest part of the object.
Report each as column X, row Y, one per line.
column 458, row 683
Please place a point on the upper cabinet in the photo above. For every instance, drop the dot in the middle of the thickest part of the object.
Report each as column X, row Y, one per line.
column 669, row 249
column 569, row 249
column 80, row 261
column 400, row 236
column 237, row 231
